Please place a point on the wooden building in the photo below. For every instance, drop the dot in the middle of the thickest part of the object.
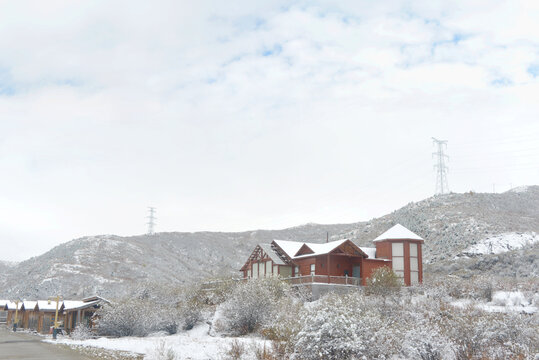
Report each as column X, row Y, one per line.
column 13, row 308
column 46, row 310
column 338, row 262
column 29, row 315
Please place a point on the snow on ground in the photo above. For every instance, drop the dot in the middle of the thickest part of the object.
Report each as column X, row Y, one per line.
column 501, row 243
column 195, row 344
column 504, row 301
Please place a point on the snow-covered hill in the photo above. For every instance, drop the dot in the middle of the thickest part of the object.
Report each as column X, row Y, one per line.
column 501, row 243
column 111, row 265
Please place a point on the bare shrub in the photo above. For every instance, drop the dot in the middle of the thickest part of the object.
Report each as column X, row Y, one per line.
column 236, row 350
column 162, row 352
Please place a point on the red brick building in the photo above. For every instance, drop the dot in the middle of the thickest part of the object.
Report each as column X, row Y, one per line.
column 339, row 262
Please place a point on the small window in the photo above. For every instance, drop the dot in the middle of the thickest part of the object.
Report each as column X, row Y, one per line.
column 296, row 271
column 313, row 269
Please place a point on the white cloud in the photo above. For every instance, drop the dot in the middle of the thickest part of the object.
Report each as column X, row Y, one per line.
column 228, row 116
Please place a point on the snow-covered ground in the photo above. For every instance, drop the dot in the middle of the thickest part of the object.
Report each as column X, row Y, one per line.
column 501, row 243
column 505, row 301
column 195, row 344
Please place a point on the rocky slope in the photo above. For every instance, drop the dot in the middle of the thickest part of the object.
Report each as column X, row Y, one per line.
column 110, row 265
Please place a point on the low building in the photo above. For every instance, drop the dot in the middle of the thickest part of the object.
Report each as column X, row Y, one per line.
column 29, row 315
column 46, row 310
column 13, row 309
column 339, row 262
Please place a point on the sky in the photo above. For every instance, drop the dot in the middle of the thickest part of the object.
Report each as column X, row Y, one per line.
column 243, row 115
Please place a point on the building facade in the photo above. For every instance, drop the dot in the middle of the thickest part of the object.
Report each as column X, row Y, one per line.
column 339, row 262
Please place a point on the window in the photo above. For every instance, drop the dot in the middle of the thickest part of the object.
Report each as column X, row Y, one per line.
column 261, row 269
column 269, row 267
column 248, row 273
column 414, row 264
column 255, row 270
column 313, row 269
column 296, row 271
column 275, row 270
column 397, row 254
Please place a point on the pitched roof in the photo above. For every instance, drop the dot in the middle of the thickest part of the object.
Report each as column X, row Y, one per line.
column 398, row 232
column 29, row 305
column 46, row 305
column 272, row 254
column 371, row 252
column 76, row 304
column 10, row 305
column 321, row 249
column 289, row 247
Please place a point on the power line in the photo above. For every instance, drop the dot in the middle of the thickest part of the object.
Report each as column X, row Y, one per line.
column 151, row 220
column 441, row 169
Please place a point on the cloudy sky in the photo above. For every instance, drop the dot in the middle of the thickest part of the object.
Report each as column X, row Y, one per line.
column 239, row 115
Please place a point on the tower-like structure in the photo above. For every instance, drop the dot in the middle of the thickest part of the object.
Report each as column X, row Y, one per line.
column 442, row 186
column 151, row 220
column 404, row 249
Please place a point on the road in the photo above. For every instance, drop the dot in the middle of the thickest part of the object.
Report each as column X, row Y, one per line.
column 14, row 346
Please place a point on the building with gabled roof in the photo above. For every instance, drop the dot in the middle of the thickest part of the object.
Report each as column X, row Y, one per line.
column 338, row 262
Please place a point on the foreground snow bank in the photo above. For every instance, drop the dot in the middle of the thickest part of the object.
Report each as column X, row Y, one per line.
column 194, row 344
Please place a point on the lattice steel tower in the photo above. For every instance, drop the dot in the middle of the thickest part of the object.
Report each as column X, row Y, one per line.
column 442, row 186
column 151, row 220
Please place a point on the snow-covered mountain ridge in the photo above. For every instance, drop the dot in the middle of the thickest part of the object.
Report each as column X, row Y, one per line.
column 110, row 265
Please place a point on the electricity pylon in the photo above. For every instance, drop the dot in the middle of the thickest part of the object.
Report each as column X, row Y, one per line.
column 151, row 220
column 441, row 169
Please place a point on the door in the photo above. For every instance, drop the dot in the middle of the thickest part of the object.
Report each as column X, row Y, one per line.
column 356, row 271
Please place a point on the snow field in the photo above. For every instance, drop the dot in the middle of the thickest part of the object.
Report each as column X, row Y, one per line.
column 195, row 344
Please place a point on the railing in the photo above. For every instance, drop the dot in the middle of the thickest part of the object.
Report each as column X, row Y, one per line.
column 323, row 279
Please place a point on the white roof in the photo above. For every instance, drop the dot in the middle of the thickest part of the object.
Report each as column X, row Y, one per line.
column 371, row 252
column 45, row 305
column 11, row 305
column 321, row 249
column 76, row 304
column 3, row 303
column 289, row 247
column 398, row 232
column 29, row 305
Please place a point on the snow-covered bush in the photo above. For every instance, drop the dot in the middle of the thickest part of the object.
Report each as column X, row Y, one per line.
column 284, row 326
column 343, row 327
column 383, row 282
column 252, row 304
column 81, row 332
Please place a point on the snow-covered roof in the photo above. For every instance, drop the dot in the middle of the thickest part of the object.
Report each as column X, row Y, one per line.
column 29, row 305
column 46, row 305
column 321, row 249
column 76, row 304
column 94, row 298
column 271, row 253
column 289, row 247
column 13, row 305
column 3, row 304
column 398, row 232
column 371, row 252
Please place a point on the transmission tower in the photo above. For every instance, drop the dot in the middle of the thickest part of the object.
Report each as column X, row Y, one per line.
column 151, row 220
column 441, row 169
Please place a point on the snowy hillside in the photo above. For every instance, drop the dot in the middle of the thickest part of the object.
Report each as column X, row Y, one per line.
column 501, row 243
column 451, row 224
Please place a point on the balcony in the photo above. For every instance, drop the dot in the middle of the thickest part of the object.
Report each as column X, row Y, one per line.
column 323, row 279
